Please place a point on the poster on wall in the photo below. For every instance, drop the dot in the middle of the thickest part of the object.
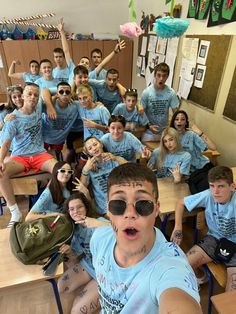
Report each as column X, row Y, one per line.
column 228, row 12
column 203, row 51
column 203, row 9
column 200, row 75
column 215, row 11
column 192, row 9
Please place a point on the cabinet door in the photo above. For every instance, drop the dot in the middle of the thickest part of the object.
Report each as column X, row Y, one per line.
column 108, row 47
column 79, row 50
column 22, row 50
column 125, row 63
column 46, row 48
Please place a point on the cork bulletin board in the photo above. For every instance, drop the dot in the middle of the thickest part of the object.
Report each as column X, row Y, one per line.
column 230, row 106
column 217, row 55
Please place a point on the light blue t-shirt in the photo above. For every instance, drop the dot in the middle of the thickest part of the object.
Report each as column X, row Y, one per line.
column 99, row 114
column 42, row 83
column 127, row 147
column 28, row 77
column 101, row 76
column 98, row 180
column 3, row 114
column 137, row 289
column 108, row 98
column 25, row 132
column 63, row 75
column 56, row 131
column 171, row 160
column 80, row 244
column 45, row 202
column 193, row 144
column 131, row 117
column 220, row 218
column 156, row 104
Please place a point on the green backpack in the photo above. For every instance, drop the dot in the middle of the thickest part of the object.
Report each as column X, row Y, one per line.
column 32, row 241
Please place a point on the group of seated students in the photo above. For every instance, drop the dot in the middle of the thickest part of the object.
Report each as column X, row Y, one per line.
column 128, row 266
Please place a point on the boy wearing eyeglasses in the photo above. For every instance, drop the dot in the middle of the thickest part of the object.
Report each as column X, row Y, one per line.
column 56, row 131
column 25, row 134
column 137, row 270
column 135, row 122
column 157, row 99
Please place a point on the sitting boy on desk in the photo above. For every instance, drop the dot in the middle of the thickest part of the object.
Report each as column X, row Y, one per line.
column 137, row 270
column 220, row 211
column 27, row 150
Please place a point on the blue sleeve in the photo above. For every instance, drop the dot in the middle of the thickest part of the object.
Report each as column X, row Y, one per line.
column 9, row 131
column 96, row 83
column 174, row 102
column 196, row 200
column 3, row 114
column 44, row 203
column 105, row 115
column 198, row 141
column 154, row 157
column 144, row 99
column 185, row 165
column 143, row 119
column 117, row 110
column 136, row 144
column 93, row 74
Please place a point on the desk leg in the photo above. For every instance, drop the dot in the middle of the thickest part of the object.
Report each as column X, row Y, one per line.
column 56, row 294
column 164, row 223
column 195, row 237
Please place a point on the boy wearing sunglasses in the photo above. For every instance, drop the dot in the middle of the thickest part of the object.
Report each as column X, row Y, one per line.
column 137, row 270
column 56, row 131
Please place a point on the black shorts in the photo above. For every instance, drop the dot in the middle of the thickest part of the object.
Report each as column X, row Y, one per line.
column 209, row 244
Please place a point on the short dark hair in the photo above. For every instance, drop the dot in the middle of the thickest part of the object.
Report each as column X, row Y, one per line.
column 33, row 61
column 132, row 172
column 117, row 118
column 59, row 50
column 45, row 60
column 162, row 67
column 112, row 71
column 97, row 50
column 132, row 92
column 80, row 69
column 31, row 84
column 220, row 173
column 79, row 195
column 172, row 122
column 63, row 84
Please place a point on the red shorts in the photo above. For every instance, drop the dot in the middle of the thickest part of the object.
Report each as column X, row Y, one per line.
column 57, row 147
column 32, row 162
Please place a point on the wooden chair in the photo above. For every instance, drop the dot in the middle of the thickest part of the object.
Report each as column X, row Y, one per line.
column 22, row 186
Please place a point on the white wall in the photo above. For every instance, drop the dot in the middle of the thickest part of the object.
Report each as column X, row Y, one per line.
column 81, row 16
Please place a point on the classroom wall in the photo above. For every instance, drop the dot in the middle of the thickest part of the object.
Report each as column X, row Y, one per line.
column 220, row 130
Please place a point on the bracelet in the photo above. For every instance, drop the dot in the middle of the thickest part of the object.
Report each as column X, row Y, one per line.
column 85, row 173
column 201, row 134
column 115, row 51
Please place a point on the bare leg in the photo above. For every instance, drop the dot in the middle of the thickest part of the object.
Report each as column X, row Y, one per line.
column 87, row 302
column 73, row 278
column 231, row 279
column 12, row 168
column 48, row 165
column 197, row 257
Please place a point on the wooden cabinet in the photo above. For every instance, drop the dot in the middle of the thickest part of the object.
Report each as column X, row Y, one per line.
column 26, row 50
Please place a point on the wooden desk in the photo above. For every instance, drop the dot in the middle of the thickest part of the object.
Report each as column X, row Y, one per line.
column 169, row 193
column 15, row 274
column 225, row 303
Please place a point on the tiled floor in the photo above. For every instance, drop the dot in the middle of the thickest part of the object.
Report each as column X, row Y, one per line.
column 187, row 243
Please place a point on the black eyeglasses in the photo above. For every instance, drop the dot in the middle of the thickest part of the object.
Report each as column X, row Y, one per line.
column 69, row 171
column 64, row 92
column 142, row 207
column 134, row 90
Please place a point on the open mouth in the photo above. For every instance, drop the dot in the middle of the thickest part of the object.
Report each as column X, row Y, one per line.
column 130, row 233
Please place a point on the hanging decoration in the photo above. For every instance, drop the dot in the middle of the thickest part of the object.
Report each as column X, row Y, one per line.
column 192, row 9
column 131, row 29
column 27, row 18
column 203, row 9
column 169, row 27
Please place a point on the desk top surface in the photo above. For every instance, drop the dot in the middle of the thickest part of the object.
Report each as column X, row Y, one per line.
column 13, row 272
column 225, row 302
column 169, row 193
